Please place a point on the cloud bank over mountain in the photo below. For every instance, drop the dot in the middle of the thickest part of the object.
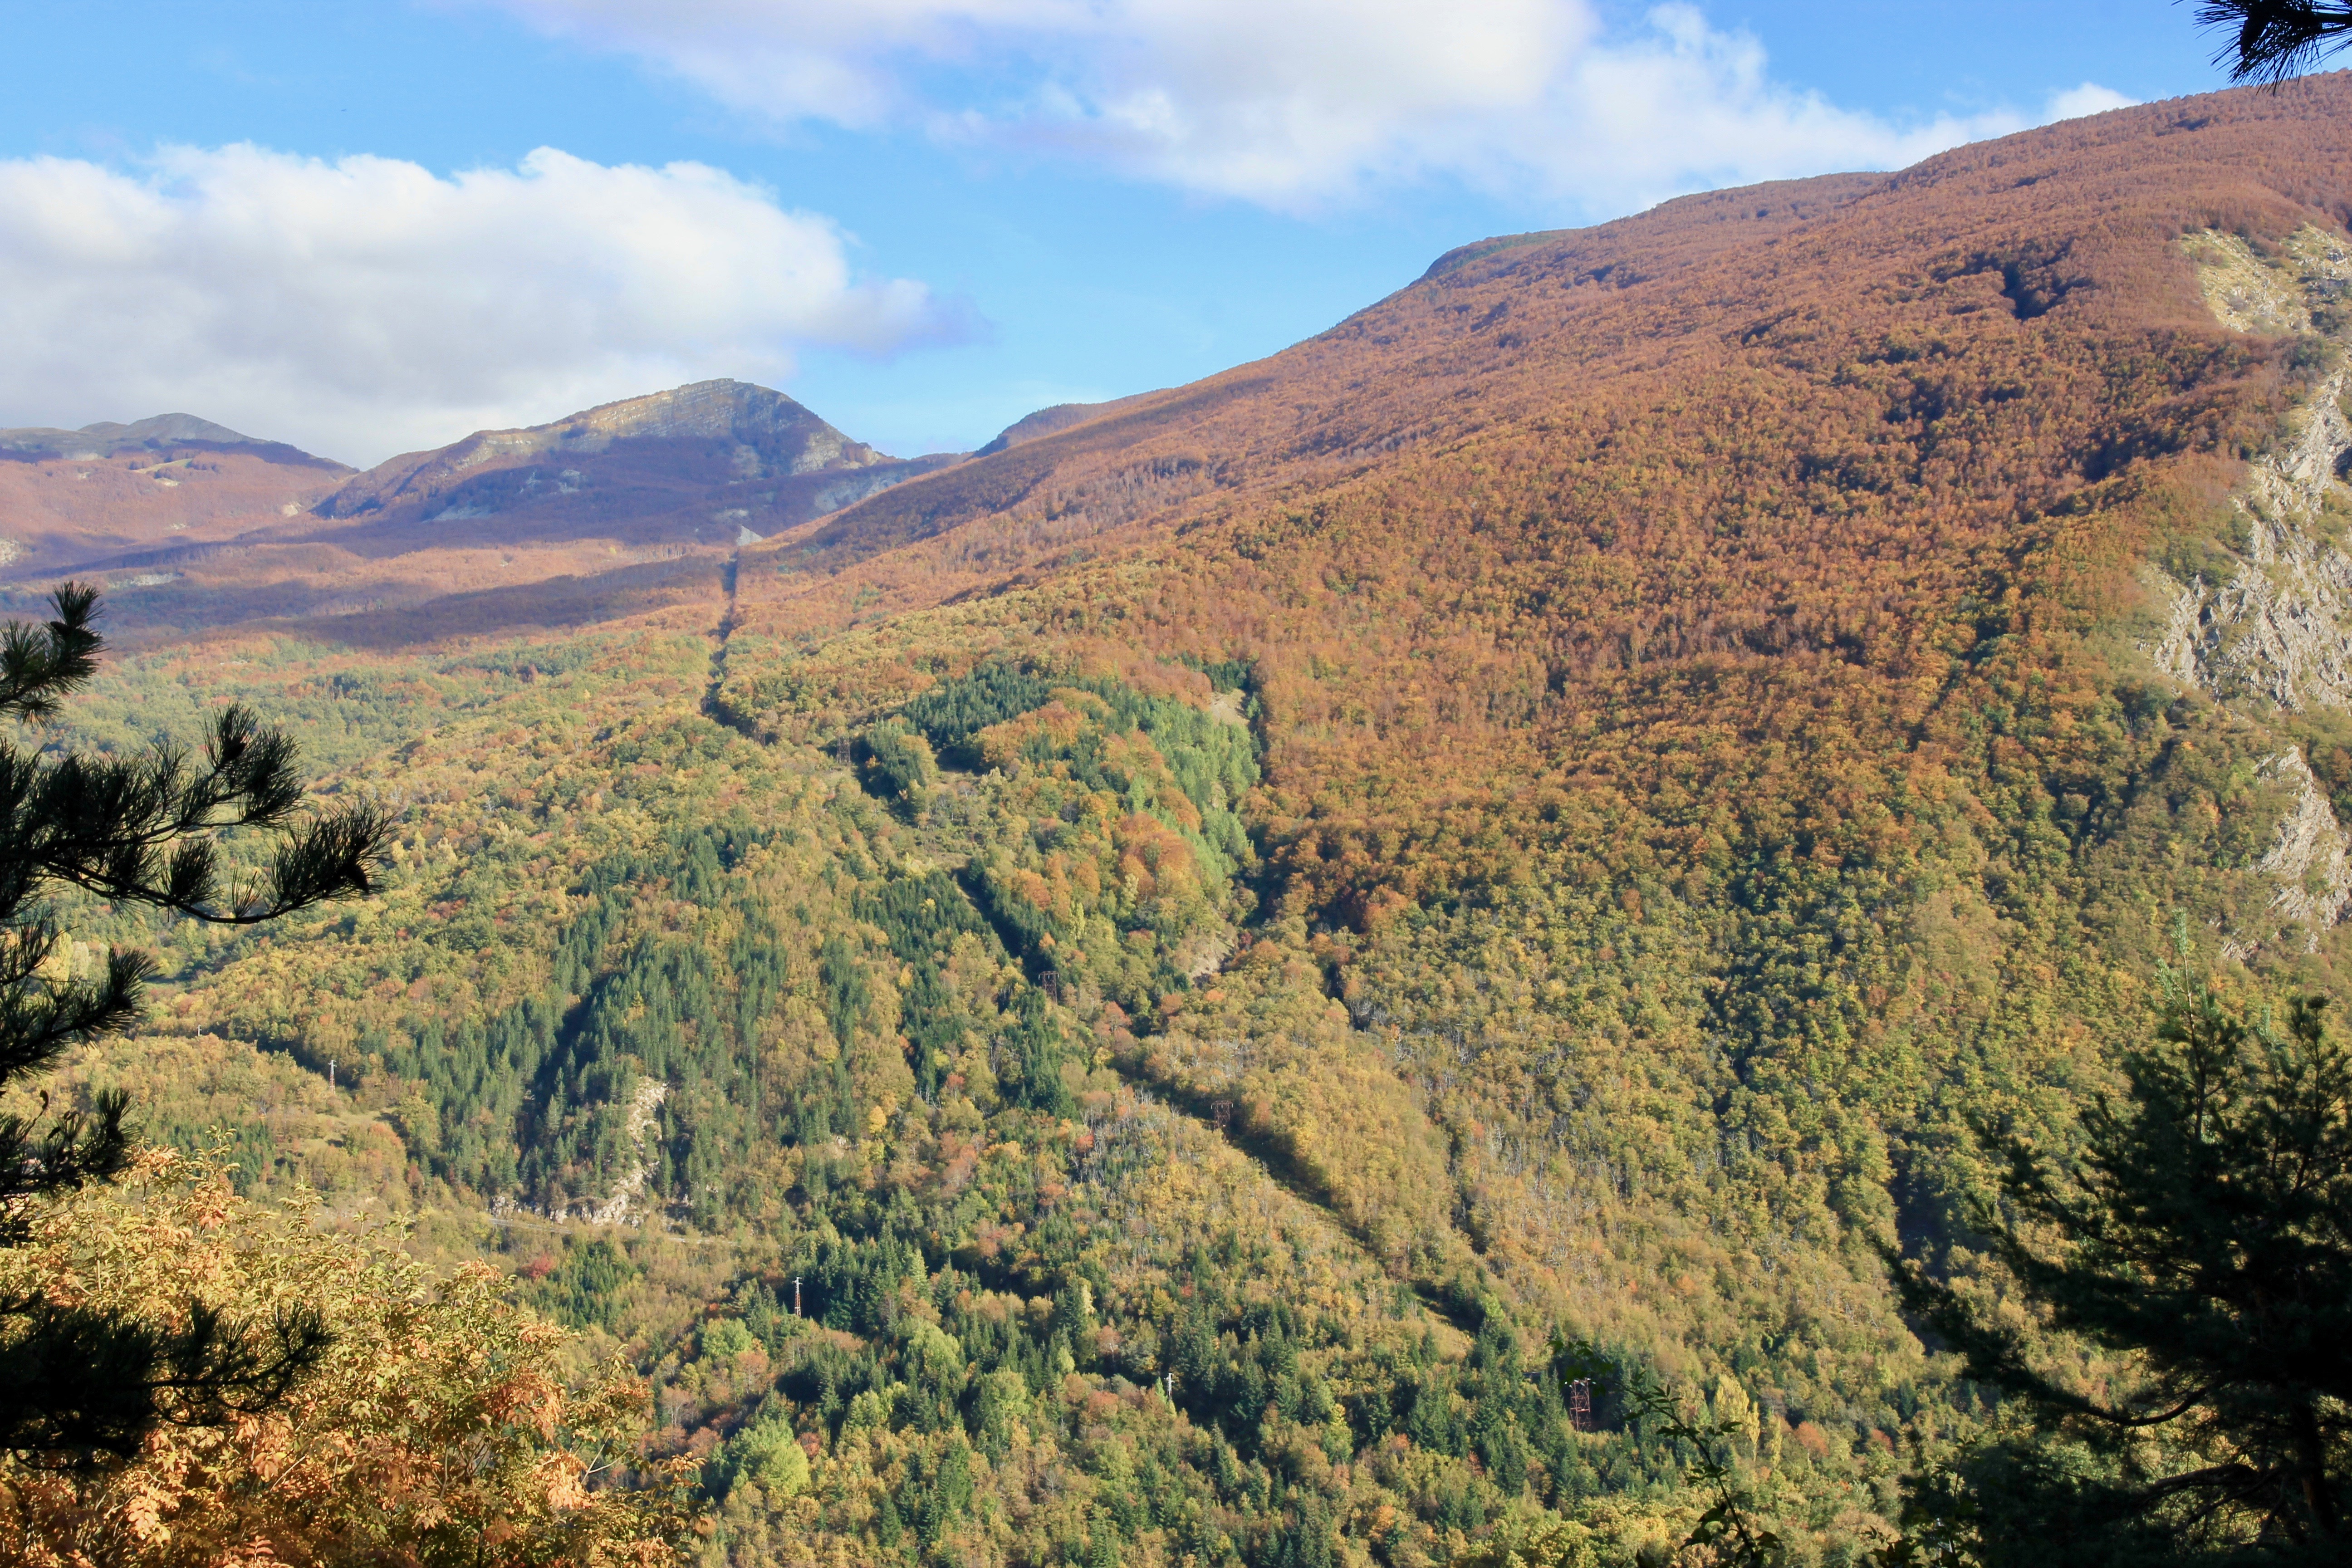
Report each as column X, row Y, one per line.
column 366, row 306
column 1293, row 104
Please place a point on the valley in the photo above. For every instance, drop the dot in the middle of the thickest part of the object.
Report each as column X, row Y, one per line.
column 1163, row 991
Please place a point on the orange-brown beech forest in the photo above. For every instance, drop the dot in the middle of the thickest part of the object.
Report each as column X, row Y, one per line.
column 58, row 510
column 1717, row 501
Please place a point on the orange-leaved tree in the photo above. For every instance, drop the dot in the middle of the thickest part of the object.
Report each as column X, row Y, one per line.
column 137, row 831
column 439, row 1427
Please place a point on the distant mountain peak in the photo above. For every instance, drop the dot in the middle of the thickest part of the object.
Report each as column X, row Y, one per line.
column 171, row 428
column 778, row 460
column 42, row 443
column 1050, row 421
column 772, row 434
column 754, row 414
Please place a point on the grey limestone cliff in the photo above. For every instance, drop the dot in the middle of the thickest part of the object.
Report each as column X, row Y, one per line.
column 2270, row 632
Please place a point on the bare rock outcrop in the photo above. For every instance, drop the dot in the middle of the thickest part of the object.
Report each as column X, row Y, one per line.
column 622, row 1205
column 2278, row 630
column 2275, row 634
column 2307, row 859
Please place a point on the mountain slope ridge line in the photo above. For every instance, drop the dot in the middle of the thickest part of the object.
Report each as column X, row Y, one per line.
column 1614, row 764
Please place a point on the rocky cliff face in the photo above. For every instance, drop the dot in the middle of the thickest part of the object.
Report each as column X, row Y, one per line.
column 2274, row 630
column 2306, row 860
column 2272, row 633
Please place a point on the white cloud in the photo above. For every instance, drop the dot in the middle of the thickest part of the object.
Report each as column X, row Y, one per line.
column 368, row 306
column 1291, row 103
column 2088, row 99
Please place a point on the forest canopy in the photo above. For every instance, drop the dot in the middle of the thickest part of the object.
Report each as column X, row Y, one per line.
column 1366, row 962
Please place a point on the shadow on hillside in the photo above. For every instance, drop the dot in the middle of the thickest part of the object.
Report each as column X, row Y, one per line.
column 552, row 604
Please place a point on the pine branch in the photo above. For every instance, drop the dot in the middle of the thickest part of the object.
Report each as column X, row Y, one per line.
column 82, row 1384
column 141, row 830
column 38, row 1020
column 77, row 1150
column 2275, row 39
column 77, row 1383
column 40, row 664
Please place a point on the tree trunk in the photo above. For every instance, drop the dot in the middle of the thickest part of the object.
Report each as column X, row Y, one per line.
column 2311, row 1467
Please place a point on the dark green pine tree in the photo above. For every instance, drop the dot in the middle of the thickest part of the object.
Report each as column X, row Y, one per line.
column 2203, row 1239
column 140, row 830
column 2271, row 41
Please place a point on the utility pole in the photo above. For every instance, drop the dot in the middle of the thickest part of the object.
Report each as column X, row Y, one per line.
column 796, row 1295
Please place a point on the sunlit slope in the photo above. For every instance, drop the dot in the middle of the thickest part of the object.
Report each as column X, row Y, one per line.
column 664, row 1019
column 1699, row 509
column 1201, row 940
column 141, row 492
column 1718, row 735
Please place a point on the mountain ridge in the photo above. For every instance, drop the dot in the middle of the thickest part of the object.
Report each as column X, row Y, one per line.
column 768, row 436
column 1168, row 992
column 520, row 521
column 157, row 433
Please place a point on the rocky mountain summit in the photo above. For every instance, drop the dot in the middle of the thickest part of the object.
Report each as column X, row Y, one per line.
column 776, row 463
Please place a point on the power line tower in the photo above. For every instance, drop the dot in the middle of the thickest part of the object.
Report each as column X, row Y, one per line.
column 1579, row 1404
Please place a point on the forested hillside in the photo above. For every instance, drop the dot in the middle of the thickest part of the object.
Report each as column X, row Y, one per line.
column 1169, row 992
column 170, row 484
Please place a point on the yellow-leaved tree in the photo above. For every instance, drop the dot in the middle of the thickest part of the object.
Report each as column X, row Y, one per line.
column 440, row 1425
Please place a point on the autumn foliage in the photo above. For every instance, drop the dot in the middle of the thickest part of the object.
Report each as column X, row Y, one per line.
column 444, row 1426
column 1128, row 1001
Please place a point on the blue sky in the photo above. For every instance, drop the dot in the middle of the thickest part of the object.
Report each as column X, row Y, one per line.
column 372, row 226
